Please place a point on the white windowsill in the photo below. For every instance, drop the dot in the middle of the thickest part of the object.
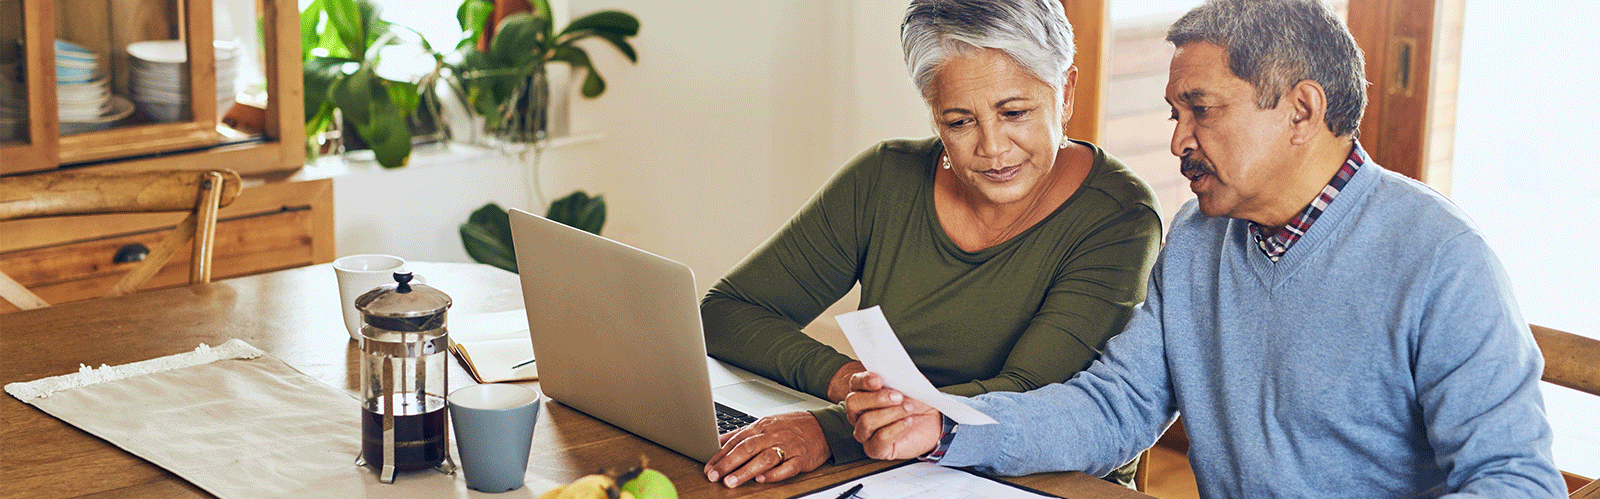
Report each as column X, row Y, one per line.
column 429, row 156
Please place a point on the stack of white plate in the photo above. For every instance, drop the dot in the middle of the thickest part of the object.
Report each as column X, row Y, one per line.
column 159, row 77
column 84, row 101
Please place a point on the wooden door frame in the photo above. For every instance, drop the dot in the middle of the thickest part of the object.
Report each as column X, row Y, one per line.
column 1413, row 58
column 38, row 152
column 1091, row 32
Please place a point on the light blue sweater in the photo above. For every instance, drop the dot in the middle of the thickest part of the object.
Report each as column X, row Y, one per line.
column 1383, row 356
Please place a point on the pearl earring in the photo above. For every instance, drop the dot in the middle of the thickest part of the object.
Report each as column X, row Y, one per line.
column 945, row 161
column 1064, row 140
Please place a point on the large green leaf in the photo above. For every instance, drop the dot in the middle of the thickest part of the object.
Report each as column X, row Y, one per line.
column 541, row 9
column 345, row 20
column 372, row 24
column 593, row 84
column 388, row 134
column 352, row 93
column 328, row 36
column 579, row 210
column 404, row 94
column 389, row 139
column 319, row 120
column 606, row 21
column 487, row 237
column 621, row 43
column 309, row 37
column 319, row 74
column 518, row 40
column 473, row 16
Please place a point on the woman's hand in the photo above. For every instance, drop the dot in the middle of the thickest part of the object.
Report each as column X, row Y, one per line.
column 888, row 424
column 839, row 385
column 772, row 449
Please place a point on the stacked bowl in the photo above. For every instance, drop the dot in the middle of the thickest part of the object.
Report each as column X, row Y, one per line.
column 84, row 101
column 159, row 77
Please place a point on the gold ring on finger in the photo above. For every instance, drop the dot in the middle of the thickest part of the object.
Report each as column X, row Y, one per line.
column 779, row 450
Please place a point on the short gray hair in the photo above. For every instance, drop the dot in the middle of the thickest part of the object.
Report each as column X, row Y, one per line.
column 1034, row 33
column 1274, row 44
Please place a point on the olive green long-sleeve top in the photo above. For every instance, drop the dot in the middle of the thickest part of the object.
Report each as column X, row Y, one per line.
column 1033, row 310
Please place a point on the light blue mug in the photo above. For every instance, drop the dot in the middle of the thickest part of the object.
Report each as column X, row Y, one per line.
column 494, row 433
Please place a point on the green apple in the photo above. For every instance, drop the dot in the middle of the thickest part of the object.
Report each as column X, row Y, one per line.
column 651, row 484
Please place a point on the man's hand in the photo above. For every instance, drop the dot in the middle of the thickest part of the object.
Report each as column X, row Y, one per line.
column 773, row 449
column 887, row 423
column 839, row 385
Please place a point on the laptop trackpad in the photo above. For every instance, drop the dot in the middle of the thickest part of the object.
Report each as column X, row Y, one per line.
column 753, row 397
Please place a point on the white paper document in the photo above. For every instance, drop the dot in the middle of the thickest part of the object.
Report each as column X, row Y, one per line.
column 919, row 480
column 880, row 350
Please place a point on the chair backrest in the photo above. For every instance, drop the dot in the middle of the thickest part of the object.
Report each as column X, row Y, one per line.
column 69, row 192
column 1572, row 361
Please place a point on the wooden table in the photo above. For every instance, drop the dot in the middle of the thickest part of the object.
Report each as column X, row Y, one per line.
column 294, row 316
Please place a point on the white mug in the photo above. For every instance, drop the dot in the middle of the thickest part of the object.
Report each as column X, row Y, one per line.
column 357, row 275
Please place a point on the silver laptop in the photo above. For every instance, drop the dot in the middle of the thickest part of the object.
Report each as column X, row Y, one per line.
column 616, row 331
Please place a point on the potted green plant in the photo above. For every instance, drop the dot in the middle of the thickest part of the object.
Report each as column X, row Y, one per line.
column 340, row 45
column 509, row 86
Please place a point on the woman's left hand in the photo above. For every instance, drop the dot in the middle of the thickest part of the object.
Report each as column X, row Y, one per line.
column 772, row 449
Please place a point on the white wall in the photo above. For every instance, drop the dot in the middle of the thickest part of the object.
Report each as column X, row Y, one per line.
column 413, row 212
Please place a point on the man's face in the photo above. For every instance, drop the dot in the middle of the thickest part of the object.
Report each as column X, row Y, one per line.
column 1227, row 147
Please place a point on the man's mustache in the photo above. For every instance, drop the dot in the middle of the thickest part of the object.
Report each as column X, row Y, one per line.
column 1191, row 167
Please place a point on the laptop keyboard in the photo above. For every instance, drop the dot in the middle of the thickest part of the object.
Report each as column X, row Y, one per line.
column 730, row 419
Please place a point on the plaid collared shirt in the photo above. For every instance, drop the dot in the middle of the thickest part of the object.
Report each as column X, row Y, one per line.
column 946, row 434
column 1275, row 245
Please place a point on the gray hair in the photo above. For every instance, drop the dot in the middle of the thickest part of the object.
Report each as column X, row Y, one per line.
column 1274, row 44
column 1034, row 33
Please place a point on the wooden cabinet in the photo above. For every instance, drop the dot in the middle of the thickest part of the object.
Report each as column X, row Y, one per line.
column 223, row 89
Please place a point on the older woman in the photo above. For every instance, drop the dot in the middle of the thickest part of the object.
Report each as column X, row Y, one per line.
column 1003, row 253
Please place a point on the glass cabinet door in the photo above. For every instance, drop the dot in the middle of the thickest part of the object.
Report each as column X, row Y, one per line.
column 135, row 77
column 88, row 81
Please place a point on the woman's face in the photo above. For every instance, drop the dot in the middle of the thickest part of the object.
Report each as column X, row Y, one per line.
column 1001, row 126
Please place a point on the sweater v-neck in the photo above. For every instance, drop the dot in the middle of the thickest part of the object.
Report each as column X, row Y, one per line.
column 1273, row 274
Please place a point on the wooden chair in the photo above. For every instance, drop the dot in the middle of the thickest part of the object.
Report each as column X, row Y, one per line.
column 1571, row 361
column 67, row 192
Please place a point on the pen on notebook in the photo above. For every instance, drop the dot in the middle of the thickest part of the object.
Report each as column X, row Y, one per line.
column 850, row 492
column 523, row 363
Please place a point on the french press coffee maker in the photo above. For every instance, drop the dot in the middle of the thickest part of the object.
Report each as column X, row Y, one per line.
column 404, row 378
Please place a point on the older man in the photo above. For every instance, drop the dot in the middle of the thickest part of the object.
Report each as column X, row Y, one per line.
column 1327, row 328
